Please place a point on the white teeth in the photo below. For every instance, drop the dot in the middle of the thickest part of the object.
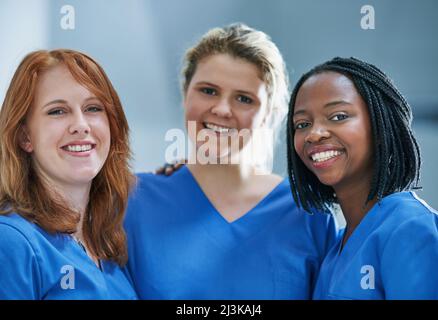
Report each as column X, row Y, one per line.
column 324, row 156
column 77, row 148
column 217, row 128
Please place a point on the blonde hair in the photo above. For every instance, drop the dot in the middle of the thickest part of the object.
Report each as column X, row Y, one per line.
column 243, row 42
column 256, row 47
column 23, row 191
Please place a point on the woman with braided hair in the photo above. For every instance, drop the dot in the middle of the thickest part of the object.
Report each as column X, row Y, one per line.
column 350, row 142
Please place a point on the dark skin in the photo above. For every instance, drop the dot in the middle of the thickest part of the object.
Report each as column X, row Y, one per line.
column 333, row 139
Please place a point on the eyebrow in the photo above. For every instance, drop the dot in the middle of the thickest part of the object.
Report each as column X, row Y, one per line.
column 56, row 101
column 216, row 86
column 327, row 105
column 206, row 83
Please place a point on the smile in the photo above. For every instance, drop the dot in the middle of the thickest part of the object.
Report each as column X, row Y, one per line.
column 78, row 148
column 325, row 156
column 217, row 128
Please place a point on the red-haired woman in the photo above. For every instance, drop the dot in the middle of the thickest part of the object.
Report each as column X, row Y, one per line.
column 65, row 179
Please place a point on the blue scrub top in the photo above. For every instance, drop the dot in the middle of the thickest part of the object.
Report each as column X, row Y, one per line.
column 392, row 254
column 37, row 265
column 180, row 247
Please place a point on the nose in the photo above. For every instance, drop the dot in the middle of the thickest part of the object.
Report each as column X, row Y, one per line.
column 79, row 124
column 222, row 108
column 317, row 134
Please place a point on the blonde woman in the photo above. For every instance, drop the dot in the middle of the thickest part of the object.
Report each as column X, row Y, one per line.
column 224, row 231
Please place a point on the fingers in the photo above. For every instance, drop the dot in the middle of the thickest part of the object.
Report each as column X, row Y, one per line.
column 159, row 170
column 169, row 168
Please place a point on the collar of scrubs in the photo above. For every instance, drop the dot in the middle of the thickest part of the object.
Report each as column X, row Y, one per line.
column 82, row 246
column 231, row 234
column 362, row 231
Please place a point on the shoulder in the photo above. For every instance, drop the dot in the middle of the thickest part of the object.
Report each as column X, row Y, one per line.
column 17, row 230
column 149, row 180
column 414, row 225
column 152, row 193
column 410, row 253
column 21, row 271
column 406, row 205
column 404, row 210
column 315, row 222
column 15, row 226
column 18, row 238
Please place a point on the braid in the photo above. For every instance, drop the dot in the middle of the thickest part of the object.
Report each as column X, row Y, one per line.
column 396, row 153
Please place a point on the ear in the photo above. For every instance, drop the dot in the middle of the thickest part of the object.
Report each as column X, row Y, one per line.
column 24, row 140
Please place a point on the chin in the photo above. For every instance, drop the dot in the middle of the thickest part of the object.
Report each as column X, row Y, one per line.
column 328, row 181
column 84, row 177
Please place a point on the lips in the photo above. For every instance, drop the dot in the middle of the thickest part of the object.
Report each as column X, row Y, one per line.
column 217, row 128
column 323, row 156
column 79, row 147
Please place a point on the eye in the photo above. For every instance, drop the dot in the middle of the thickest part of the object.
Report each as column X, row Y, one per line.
column 244, row 99
column 301, row 125
column 339, row 117
column 94, row 108
column 209, row 91
column 56, row 112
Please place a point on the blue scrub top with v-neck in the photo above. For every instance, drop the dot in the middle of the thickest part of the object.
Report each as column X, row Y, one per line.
column 392, row 254
column 180, row 247
column 36, row 265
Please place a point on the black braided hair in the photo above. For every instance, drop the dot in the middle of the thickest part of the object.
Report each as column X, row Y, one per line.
column 396, row 156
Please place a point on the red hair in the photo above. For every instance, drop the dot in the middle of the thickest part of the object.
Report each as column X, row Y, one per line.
column 22, row 191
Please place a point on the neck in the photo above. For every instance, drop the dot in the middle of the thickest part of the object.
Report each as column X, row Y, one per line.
column 352, row 200
column 225, row 177
column 78, row 198
column 75, row 196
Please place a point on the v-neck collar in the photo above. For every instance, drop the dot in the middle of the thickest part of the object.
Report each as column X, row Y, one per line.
column 228, row 234
column 80, row 248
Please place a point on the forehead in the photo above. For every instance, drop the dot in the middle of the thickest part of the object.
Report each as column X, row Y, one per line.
column 326, row 86
column 58, row 83
column 225, row 70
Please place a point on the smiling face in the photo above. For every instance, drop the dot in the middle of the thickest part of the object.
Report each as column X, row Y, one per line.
column 66, row 131
column 333, row 131
column 225, row 93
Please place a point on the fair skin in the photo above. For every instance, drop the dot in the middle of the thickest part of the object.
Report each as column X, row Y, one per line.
column 67, row 134
column 228, row 93
column 330, row 116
